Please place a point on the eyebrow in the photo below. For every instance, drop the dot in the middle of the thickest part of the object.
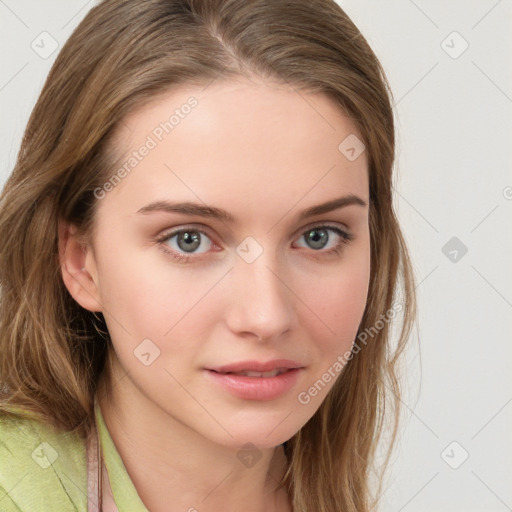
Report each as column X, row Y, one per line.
column 203, row 210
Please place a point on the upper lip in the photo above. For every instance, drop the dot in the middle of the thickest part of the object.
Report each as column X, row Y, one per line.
column 257, row 366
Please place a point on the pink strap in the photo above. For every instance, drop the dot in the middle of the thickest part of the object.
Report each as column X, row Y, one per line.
column 93, row 473
column 97, row 478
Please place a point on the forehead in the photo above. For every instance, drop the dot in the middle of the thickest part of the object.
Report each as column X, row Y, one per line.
column 243, row 145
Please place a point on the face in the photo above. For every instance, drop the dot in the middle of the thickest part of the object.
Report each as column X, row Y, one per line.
column 187, row 291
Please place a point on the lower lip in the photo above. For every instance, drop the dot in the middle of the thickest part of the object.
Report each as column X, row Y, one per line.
column 257, row 388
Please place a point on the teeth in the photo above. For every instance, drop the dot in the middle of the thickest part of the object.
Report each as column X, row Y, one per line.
column 248, row 373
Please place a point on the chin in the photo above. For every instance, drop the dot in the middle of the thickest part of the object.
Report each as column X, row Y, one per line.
column 263, row 432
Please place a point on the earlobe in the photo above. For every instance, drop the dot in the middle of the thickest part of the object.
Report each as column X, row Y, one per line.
column 78, row 267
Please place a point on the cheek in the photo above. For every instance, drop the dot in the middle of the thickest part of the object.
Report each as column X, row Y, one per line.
column 147, row 298
column 339, row 304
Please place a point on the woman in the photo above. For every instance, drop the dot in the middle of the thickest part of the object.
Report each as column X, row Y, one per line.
column 200, row 265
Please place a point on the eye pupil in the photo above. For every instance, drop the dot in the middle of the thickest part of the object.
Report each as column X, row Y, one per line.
column 318, row 240
column 191, row 239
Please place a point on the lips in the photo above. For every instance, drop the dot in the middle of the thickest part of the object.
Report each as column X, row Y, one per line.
column 258, row 368
column 251, row 385
column 250, row 373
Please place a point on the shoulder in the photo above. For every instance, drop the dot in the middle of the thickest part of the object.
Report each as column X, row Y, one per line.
column 41, row 468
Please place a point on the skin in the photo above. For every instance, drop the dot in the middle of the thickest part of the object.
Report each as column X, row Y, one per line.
column 263, row 152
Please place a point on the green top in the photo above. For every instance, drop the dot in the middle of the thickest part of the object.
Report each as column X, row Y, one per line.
column 45, row 469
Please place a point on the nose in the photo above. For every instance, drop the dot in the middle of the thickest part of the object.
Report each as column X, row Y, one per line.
column 261, row 302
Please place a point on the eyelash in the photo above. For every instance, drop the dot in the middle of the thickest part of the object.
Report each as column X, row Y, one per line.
column 184, row 258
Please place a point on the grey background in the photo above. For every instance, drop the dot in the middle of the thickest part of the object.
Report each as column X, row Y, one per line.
column 453, row 193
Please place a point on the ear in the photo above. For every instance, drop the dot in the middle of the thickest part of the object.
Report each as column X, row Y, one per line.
column 78, row 267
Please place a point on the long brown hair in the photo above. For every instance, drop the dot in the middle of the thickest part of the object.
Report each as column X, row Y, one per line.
column 120, row 56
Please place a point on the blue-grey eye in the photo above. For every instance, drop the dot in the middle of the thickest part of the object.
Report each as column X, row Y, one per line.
column 317, row 237
column 188, row 240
